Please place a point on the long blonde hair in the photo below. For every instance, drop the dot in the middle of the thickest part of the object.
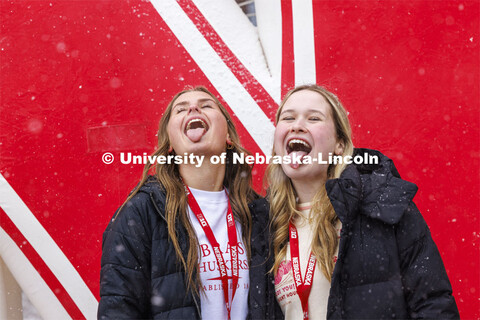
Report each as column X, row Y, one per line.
column 237, row 180
column 283, row 196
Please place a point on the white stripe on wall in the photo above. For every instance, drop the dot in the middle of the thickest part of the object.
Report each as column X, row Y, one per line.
column 303, row 42
column 30, row 280
column 48, row 250
column 250, row 114
column 242, row 38
column 269, row 27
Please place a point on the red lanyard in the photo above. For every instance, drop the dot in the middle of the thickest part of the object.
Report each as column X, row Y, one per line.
column 303, row 287
column 232, row 239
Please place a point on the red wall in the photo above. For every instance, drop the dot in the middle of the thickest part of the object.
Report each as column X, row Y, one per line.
column 408, row 72
column 74, row 71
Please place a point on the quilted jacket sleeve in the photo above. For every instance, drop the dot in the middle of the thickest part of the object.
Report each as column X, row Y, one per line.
column 125, row 265
column 426, row 285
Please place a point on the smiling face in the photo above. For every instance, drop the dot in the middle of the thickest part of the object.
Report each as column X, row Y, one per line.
column 305, row 126
column 197, row 125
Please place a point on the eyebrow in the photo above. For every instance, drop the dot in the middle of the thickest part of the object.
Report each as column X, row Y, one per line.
column 199, row 101
column 309, row 111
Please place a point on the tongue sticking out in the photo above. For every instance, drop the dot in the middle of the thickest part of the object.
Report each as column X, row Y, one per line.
column 296, row 158
column 195, row 134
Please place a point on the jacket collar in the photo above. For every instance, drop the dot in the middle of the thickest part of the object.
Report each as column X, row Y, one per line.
column 345, row 194
column 153, row 187
column 375, row 190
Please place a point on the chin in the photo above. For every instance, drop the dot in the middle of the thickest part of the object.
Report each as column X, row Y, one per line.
column 205, row 149
column 305, row 172
column 295, row 174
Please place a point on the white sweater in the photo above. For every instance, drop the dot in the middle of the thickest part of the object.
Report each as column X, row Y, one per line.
column 214, row 206
column 285, row 290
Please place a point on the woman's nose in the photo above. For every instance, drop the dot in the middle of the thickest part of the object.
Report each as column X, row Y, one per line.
column 298, row 126
column 193, row 108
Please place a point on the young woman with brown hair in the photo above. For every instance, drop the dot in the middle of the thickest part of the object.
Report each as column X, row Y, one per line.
column 346, row 241
column 178, row 247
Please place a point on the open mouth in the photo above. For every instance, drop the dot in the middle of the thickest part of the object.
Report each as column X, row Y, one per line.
column 195, row 129
column 299, row 146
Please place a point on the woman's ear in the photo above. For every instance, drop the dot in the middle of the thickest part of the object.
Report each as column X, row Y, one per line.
column 229, row 141
column 339, row 148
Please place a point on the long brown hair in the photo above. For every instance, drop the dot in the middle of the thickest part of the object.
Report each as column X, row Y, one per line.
column 283, row 196
column 237, row 180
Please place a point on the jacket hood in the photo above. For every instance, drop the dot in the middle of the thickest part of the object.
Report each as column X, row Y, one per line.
column 152, row 185
column 376, row 189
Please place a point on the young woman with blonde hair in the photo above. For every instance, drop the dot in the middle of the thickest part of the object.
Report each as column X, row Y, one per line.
column 344, row 240
column 178, row 247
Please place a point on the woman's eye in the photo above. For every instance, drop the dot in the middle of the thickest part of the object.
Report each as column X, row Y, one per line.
column 287, row 118
column 315, row 119
column 181, row 109
column 206, row 106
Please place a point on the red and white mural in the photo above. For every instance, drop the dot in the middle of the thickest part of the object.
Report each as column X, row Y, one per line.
column 82, row 78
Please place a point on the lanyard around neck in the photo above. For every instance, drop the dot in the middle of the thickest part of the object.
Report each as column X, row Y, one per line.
column 233, row 241
column 303, row 286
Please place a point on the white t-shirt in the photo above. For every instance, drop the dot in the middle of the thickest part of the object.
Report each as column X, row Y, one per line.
column 285, row 290
column 214, row 205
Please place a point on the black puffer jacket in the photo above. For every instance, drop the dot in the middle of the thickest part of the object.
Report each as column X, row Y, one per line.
column 388, row 266
column 141, row 277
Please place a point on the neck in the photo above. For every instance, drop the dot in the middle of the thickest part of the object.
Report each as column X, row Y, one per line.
column 306, row 189
column 208, row 177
